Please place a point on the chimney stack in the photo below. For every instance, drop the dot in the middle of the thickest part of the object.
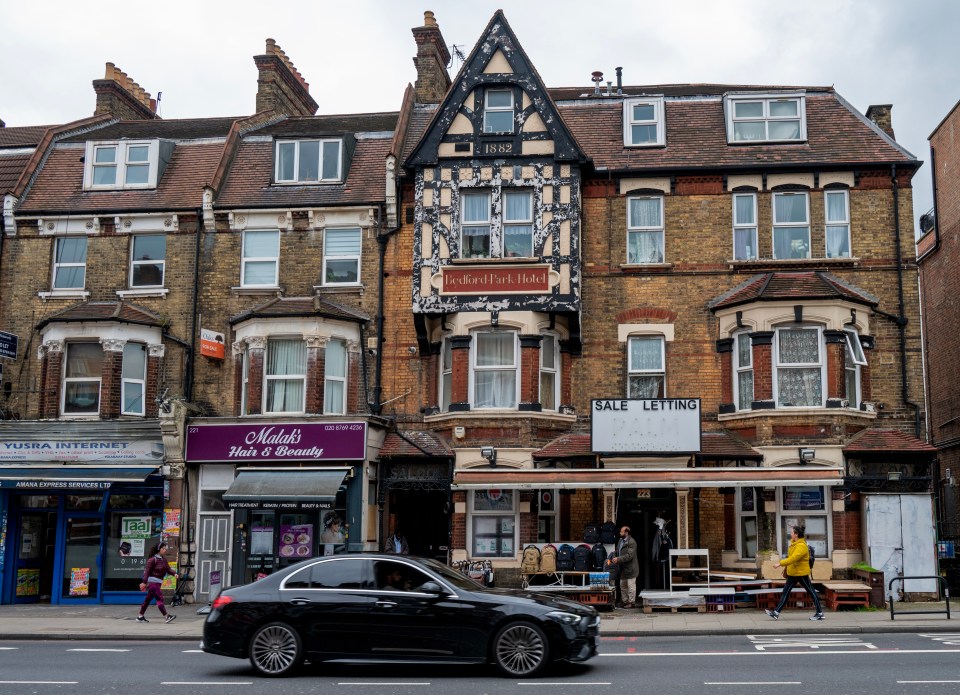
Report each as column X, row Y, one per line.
column 122, row 98
column 882, row 116
column 432, row 58
column 280, row 86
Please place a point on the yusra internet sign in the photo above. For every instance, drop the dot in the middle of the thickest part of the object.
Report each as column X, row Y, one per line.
column 645, row 425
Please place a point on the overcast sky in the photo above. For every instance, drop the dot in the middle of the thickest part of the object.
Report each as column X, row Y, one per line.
column 357, row 55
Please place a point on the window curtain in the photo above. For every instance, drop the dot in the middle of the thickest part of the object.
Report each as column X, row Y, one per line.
column 644, row 212
column 745, row 231
column 645, row 247
column 495, row 388
column 476, row 207
column 744, row 373
column 286, row 155
column 790, row 209
column 286, row 358
column 838, row 245
column 518, row 238
column 799, row 387
column 84, row 360
column 646, row 354
column 335, row 377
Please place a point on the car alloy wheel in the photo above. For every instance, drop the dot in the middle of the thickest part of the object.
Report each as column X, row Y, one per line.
column 275, row 649
column 520, row 649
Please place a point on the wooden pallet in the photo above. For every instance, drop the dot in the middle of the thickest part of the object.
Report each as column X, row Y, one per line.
column 701, row 608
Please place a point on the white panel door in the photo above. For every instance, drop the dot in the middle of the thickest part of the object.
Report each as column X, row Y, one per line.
column 214, row 553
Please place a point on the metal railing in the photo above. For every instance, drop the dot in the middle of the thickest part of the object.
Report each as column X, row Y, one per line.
column 945, row 592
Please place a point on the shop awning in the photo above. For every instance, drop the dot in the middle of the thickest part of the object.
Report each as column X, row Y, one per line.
column 285, row 488
column 553, row 478
column 28, row 477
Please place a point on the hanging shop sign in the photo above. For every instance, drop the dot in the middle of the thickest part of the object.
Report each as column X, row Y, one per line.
column 248, row 443
column 645, row 425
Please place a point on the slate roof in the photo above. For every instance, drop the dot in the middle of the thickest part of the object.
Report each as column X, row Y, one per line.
column 878, row 440
column 723, row 445
column 669, row 90
column 310, row 126
column 177, row 129
column 28, row 136
column 419, row 120
column 249, row 181
column 59, row 187
column 103, row 311
column 413, row 443
column 696, row 137
column 285, row 307
column 772, row 287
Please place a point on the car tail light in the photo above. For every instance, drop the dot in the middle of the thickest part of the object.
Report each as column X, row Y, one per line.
column 221, row 601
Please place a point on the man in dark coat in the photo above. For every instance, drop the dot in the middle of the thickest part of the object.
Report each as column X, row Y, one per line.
column 629, row 566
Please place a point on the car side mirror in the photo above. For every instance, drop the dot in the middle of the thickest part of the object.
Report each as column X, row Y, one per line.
column 430, row 588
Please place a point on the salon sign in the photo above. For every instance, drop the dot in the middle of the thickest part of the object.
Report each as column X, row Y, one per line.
column 277, row 441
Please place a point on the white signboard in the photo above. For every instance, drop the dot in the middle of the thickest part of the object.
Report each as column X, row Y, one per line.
column 645, row 425
column 87, row 451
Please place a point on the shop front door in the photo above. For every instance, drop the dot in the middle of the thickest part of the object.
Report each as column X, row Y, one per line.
column 35, row 555
column 79, row 574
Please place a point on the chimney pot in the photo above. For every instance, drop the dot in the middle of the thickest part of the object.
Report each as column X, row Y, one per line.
column 428, row 19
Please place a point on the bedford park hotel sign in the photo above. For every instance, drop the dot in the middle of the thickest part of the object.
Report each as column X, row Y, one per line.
column 525, row 279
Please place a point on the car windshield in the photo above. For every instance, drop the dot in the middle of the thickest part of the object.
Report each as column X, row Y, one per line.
column 458, row 580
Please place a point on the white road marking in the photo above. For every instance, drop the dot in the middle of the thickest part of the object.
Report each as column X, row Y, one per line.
column 553, row 685
column 193, row 651
column 39, row 682
column 779, row 653
column 206, row 682
column 951, row 638
column 98, row 650
column 382, row 683
column 924, row 682
column 763, row 642
column 752, row 683
column 8, row 649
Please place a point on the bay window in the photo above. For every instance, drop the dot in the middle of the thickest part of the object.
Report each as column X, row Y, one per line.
column 494, row 372
column 853, row 360
column 335, row 378
column 475, row 224
column 493, row 523
column 517, row 223
column 645, row 366
column 133, row 379
column 446, row 375
column 82, row 372
column 285, row 376
column 549, row 372
column 799, row 366
column 645, row 229
column 743, row 370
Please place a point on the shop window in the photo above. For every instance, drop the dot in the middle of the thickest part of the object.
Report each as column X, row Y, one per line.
column 799, row 366
column 285, row 376
column 645, row 365
column 81, row 381
column 493, row 523
column 148, row 260
column 133, row 529
column 805, row 507
column 335, row 378
column 747, row 522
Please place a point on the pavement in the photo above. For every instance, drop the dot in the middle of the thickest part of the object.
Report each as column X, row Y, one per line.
column 46, row 622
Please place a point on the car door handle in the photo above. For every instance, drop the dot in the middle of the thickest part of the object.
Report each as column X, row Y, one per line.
column 300, row 601
column 386, row 604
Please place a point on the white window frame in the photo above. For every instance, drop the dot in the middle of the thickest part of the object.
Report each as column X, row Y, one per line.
column 801, row 517
column 329, row 407
column 508, row 223
column 499, row 516
column 244, row 381
column 98, row 380
column 57, row 266
column 134, row 262
column 244, row 259
column 131, row 382
column 853, row 359
column 820, row 364
column 738, row 368
column 498, row 109
column 789, row 225
column 446, row 375
column 744, row 517
column 121, row 164
column 321, row 156
column 488, row 223
column 267, row 378
column 550, row 372
column 657, row 121
column 354, row 257
column 752, row 252
column 475, row 369
column 730, row 103
column 645, row 229
column 642, row 372
column 843, row 224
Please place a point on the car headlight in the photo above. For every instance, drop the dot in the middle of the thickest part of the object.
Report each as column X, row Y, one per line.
column 564, row 617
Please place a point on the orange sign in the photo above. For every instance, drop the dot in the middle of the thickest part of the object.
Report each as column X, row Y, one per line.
column 489, row 280
column 211, row 344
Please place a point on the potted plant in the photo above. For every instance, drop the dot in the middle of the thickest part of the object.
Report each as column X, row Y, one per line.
column 874, row 579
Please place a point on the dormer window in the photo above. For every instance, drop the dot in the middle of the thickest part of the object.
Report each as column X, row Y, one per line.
column 308, row 161
column 498, row 111
column 643, row 122
column 122, row 165
column 761, row 118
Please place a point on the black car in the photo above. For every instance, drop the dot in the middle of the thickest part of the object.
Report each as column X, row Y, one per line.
column 372, row 608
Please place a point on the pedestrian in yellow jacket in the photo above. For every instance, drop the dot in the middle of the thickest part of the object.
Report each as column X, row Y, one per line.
column 797, row 566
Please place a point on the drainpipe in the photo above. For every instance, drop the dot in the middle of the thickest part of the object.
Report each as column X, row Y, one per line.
column 188, row 377
column 382, row 237
column 901, row 319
